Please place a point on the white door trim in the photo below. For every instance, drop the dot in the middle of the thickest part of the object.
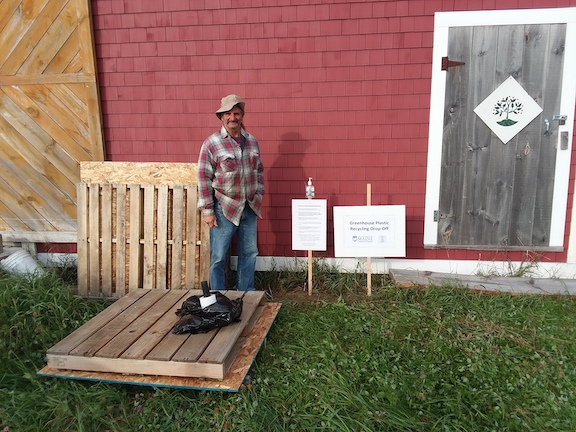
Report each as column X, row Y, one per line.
column 442, row 22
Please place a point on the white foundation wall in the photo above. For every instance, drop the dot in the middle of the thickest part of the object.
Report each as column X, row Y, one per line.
column 382, row 266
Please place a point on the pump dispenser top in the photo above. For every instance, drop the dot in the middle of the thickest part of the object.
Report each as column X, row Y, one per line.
column 309, row 189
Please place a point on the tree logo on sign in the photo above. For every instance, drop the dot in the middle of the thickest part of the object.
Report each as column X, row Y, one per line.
column 505, row 107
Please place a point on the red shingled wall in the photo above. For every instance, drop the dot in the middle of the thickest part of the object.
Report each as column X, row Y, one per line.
column 335, row 90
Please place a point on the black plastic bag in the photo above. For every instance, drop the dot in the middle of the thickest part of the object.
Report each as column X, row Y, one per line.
column 196, row 319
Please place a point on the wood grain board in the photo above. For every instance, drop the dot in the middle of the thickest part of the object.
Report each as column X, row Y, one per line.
column 134, row 336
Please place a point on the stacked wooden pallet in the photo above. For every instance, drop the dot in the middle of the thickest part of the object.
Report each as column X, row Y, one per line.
column 138, row 226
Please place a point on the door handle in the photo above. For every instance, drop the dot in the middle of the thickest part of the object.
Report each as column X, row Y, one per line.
column 560, row 118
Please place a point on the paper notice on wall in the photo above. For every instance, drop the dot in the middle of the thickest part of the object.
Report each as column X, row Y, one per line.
column 370, row 231
column 309, row 224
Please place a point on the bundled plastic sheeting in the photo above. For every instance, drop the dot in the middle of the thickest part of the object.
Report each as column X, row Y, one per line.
column 196, row 319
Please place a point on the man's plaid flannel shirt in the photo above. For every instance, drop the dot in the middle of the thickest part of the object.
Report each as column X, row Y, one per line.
column 230, row 174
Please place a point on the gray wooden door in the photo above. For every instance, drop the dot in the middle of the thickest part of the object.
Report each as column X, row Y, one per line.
column 495, row 195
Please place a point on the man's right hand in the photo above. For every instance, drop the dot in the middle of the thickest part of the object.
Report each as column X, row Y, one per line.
column 211, row 221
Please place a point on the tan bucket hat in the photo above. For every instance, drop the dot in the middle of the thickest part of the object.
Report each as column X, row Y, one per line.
column 229, row 102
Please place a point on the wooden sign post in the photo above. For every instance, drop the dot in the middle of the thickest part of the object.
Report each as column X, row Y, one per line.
column 369, row 259
column 309, row 195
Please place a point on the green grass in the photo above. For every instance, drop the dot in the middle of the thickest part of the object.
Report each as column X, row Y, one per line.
column 437, row 359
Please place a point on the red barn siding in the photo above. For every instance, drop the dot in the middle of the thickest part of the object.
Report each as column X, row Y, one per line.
column 335, row 90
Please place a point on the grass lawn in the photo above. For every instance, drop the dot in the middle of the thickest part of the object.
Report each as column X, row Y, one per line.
column 435, row 359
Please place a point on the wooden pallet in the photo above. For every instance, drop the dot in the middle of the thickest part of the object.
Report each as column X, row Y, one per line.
column 134, row 336
column 138, row 225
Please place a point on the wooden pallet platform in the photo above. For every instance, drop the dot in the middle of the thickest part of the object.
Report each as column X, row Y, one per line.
column 134, row 336
column 231, row 383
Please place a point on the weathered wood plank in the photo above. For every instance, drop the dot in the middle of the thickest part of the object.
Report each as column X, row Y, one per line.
column 253, row 318
column 158, row 331
column 532, row 207
column 204, row 258
column 220, row 348
column 121, row 263
column 145, row 367
column 172, row 343
column 82, row 242
column 106, row 245
column 17, row 26
column 11, row 222
column 141, row 325
column 108, row 331
column 73, row 69
column 162, row 237
column 64, row 152
column 64, row 116
column 63, row 78
column 52, row 204
column 177, row 236
column 8, row 12
column 135, row 258
column 75, row 101
column 48, row 43
column 18, row 236
column 66, row 53
column 168, row 346
column 475, row 218
column 94, row 228
column 191, row 236
column 70, row 342
column 27, row 212
column 87, row 56
column 492, row 216
column 194, row 346
column 149, row 257
column 32, row 32
column 453, row 156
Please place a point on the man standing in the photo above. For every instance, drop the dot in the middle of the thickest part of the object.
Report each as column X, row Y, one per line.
column 230, row 187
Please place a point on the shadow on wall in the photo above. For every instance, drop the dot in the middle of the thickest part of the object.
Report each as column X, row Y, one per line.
column 286, row 181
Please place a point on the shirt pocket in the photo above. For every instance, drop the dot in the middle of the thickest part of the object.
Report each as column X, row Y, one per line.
column 228, row 163
column 254, row 160
column 228, row 174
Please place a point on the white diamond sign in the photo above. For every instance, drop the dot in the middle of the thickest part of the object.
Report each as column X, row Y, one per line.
column 508, row 110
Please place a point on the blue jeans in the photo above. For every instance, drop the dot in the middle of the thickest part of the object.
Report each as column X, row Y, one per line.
column 220, row 240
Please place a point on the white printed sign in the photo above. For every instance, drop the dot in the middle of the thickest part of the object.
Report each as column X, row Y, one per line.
column 370, row 231
column 309, row 224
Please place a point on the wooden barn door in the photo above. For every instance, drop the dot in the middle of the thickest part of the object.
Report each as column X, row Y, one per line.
column 49, row 116
column 503, row 97
column 492, row 193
